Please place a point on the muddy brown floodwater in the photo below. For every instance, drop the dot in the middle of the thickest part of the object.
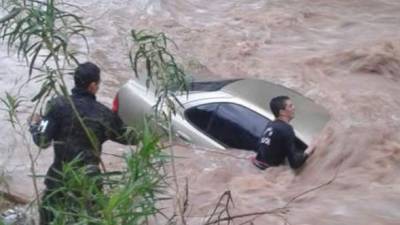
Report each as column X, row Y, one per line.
column 343, row 54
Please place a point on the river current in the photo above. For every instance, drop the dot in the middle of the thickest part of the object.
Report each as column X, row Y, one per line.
column 343, row 54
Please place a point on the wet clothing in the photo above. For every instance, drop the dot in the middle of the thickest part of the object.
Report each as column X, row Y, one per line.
column 70, row 141
column 276, row 144
column 61, row 125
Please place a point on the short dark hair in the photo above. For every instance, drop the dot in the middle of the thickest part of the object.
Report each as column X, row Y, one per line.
column 278, row 103
column 85, row 74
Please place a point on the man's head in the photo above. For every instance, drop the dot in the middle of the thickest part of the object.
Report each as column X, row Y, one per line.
column 282, row 107
column 87, row 76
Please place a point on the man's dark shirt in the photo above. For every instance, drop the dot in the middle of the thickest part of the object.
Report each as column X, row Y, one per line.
column 61, row 125
column 277, row 143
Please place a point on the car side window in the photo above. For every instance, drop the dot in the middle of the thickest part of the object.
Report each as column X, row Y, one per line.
column 201, row 115
column 237, row 126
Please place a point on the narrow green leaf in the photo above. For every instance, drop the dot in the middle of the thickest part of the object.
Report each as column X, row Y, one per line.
column 48, row 57
column 135, row 63
column 148, row 68
column 33, row 60
column 14, row 12
column 73, row 58
column 39, row 95
column 27, row 50
column 133, row 34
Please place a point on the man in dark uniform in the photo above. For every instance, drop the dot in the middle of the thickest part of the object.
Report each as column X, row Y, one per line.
column 278, row 139
column 71, row 141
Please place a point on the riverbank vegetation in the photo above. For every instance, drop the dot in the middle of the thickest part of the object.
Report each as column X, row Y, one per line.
column 41, row 33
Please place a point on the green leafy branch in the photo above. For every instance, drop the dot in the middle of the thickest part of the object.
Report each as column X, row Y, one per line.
column 166, row 79
column 11, row 104
column 163, row 73
column 40, row 30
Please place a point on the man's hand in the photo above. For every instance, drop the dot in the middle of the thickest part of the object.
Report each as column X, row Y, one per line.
column 322, row 139
column 311, row 148
column 34, row 119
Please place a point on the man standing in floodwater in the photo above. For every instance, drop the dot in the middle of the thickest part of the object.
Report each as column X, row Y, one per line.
column 71, row 141
column 278, row 139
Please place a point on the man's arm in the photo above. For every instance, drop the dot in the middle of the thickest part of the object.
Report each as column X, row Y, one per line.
column 296, row 157
column 118, row 132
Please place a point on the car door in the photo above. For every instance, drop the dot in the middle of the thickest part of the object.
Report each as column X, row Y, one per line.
column 193, row 126
column 237, row 126
column 230, row 124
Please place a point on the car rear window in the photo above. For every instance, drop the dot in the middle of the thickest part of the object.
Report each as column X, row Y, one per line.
column 207, row 85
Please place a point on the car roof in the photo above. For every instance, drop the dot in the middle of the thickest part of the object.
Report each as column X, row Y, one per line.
column 310, row 117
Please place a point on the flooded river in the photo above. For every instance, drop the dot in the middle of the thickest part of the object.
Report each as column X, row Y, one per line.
column 343, row 54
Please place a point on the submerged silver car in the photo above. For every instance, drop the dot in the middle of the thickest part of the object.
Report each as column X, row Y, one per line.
column 224, row 114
